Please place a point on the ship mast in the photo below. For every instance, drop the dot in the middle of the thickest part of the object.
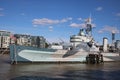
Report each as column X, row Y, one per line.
column 88, row 26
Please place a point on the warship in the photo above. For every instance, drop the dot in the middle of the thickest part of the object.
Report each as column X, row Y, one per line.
column 81, row 45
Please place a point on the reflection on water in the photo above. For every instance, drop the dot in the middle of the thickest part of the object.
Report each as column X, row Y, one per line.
column 37, row 71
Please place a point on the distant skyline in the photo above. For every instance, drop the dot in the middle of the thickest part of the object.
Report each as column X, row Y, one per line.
column 59, row 19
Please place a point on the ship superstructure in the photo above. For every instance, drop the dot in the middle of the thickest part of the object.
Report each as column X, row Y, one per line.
column 84, row 35
column 84, row 38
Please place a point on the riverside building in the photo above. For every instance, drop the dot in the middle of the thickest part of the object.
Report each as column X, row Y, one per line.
column 28, row 40
column 5, row 39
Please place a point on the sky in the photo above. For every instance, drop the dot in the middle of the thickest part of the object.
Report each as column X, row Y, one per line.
column 59, row 19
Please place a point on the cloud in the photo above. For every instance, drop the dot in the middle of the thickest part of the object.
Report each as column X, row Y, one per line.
column 80, row 19
column 118, row 14
column 1, row 9
column 50, row 28
column 65, row 20
column 83, row 25
column 99, row 8
column 46, row 21
column 109, row 29
column 69, row 18
column 22, row 14
column 35, row 25
column 1, row 14
column 77, row 25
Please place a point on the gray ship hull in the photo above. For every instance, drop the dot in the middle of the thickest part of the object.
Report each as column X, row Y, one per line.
column 32, row 54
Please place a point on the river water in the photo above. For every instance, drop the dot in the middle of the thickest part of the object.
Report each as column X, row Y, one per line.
column 73, row 71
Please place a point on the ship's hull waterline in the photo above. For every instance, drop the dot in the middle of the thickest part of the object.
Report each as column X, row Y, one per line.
column 32, row 54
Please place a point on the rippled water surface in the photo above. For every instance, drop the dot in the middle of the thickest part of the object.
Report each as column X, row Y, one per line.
column 76, row 71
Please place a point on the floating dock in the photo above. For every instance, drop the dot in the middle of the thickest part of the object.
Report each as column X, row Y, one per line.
column 94, row 59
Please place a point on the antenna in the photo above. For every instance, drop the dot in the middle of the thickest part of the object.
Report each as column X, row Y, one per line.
column 90, row 16
column 89, row 19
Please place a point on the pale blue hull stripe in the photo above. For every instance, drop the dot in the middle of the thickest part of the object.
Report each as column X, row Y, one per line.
column 32, row 54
